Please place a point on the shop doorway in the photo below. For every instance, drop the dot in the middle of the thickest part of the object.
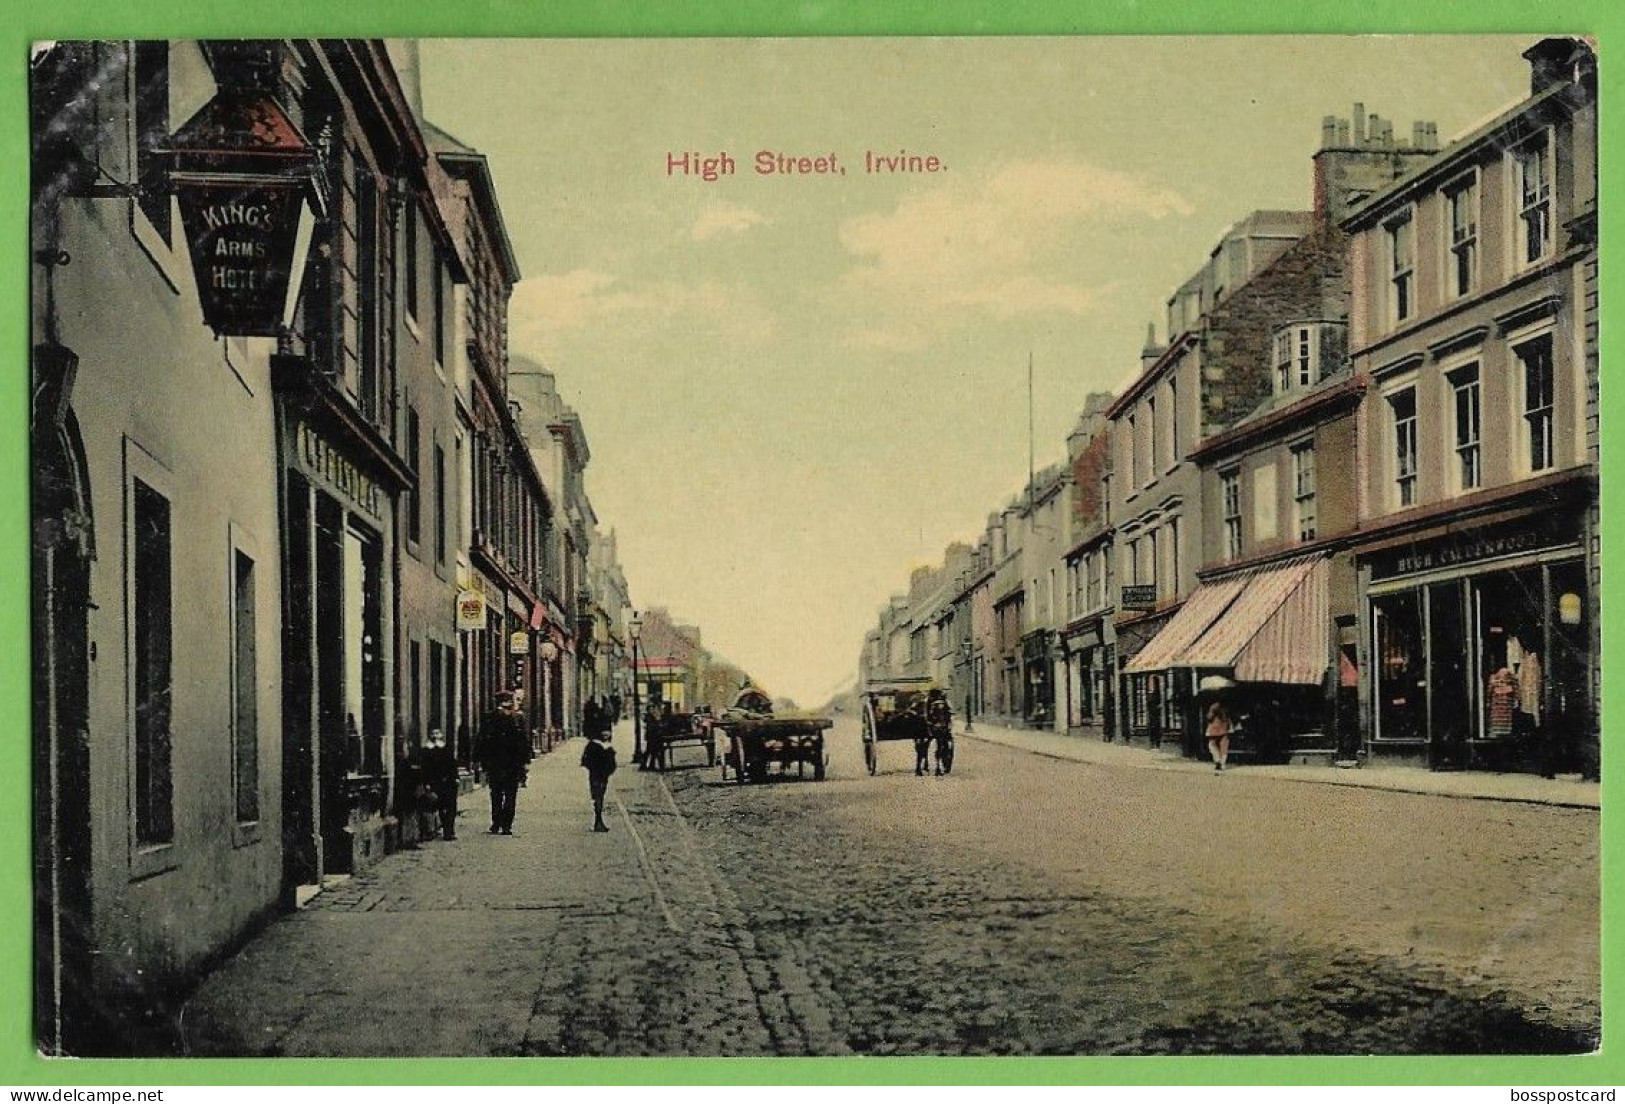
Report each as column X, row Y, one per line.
column 1451, row 700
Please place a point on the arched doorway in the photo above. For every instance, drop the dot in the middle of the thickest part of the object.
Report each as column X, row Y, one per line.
column 63, row 548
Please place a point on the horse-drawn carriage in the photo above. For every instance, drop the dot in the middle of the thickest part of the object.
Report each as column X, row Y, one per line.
column 664, row 732
column 758, row 740
column 912, row 709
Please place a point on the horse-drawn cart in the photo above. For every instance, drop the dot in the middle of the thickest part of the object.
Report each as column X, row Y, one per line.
column 756, row 740
column 913, row 709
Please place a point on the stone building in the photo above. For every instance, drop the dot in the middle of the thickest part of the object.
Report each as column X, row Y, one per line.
column 1088, row 657
column 1473, row 318
column 1277, row 279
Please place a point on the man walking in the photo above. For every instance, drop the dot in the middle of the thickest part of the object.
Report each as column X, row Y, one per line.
column 504, row 752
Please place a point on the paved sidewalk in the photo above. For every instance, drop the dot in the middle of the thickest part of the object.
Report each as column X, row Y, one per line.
column 1567, row 790
column 553, row 941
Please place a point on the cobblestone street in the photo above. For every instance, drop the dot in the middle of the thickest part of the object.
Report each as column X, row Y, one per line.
column 1022, row 905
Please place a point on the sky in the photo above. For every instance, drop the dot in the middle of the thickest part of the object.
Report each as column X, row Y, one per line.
column 799, row 387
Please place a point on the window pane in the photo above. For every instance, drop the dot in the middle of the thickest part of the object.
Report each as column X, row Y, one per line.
column 245, row 720
column 152, row 635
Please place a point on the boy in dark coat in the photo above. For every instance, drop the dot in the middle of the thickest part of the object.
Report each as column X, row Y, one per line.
column 599, row 759
column 437, row 768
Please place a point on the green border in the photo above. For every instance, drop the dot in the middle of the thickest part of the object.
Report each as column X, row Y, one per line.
column 1604, row 19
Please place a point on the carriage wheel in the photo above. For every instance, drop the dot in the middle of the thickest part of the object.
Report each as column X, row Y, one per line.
column 870, row 759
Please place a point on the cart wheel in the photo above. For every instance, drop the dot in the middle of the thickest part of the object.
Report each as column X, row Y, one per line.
column 870, row 759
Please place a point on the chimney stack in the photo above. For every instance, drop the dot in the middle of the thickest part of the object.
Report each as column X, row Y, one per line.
column 1551, row 61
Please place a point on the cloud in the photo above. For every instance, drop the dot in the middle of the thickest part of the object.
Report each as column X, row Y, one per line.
column 551, row 307
column 1006, row 244
column 725, row 219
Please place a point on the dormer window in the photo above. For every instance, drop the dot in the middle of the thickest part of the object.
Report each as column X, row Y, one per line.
column 1296, row 357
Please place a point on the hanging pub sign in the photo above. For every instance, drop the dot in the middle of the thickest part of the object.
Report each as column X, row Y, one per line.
column 519, row 643
column 470, row 610
column 246, row 183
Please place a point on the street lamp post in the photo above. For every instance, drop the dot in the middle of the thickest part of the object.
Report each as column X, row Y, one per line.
column 634, row 629
column 966, row 651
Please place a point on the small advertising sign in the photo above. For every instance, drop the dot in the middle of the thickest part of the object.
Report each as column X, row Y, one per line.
column 470, row 610
column 519, row 643
column 1139, row 596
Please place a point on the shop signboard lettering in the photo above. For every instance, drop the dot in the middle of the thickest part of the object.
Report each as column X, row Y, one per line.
column 1444, row 554
column 318, row 458
column 1139, row 596
column 519, row 643
column 241, row 237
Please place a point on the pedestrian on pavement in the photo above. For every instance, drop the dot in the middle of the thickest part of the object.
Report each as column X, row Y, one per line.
column 1219, row 724
column 599, row 759
column 592, row 718
column 437, row 771
column 504, row 753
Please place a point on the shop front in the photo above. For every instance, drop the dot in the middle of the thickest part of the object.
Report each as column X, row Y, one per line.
column 338, row 485
column 1480, row 654
column 1038, row 679
column 1088, row 667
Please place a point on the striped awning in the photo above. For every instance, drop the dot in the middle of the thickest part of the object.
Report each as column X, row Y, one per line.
column 1277, row 630
column 1200, row 610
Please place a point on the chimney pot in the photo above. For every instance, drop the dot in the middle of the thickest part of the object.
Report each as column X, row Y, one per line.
column 1550, row 61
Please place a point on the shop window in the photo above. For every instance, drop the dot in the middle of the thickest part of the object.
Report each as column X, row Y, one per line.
column 1402, row 409
column 1534, row 229
column 1469, row 464
column 1303, row 490
column 244, row 691
column 152, row 642
column 1509, row 609
column 1401, row 667
column 1535, row 357
column 1230, row 496
column 1463, row 203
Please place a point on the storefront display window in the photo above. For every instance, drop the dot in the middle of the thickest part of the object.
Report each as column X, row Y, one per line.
column 1400, row 667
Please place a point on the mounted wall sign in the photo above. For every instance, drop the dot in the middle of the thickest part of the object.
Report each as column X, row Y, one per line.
column 470, row 610
column 247, row 185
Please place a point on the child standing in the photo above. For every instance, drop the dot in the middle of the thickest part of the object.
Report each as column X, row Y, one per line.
column 599, row 759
